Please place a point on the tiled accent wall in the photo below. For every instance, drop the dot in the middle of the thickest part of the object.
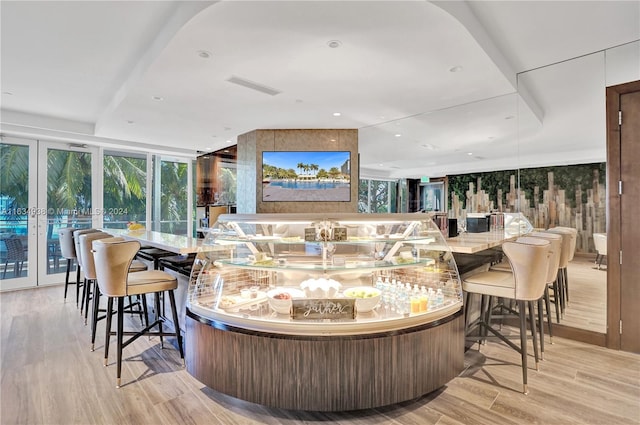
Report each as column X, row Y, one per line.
column 250, row 148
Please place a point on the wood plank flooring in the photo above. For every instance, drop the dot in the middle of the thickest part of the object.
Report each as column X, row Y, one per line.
column 587, row 308
column 48, row 375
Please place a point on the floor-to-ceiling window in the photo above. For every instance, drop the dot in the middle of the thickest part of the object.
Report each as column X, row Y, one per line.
column 124, row 189
column 377, row 196
column 171, row 208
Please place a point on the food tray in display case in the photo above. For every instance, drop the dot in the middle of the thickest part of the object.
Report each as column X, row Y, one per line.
column 394, row 270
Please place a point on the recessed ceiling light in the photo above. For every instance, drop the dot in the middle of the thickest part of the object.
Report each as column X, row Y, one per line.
column 333, row 140
column 204, row 54
column 398, row 135
column 227, row 128
column 8, row 93
column 208, row 148
column 491, row 137
column 229, row 141
column 469, row 153
column 382, row 165
column 157, row 98
column 130, row 122
column 509, row 117
column 428, row 146
column 334, row 44
column 457, row 68
column 336, row 114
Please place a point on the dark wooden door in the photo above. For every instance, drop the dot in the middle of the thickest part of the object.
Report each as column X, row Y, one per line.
column 623, row 213
column 629, row 216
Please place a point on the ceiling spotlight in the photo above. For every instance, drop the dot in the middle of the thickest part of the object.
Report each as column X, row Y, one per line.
column 456, row 69
column 333, row 140
column 157, row 98
column 398, row 135
column 382, row 165
column 469, row 153
column 334, row 44
column 229, row 141
column 336, row 114
column 204, row 54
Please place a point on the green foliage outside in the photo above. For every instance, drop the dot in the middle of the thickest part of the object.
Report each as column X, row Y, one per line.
column 377, row 196
column 566, row 177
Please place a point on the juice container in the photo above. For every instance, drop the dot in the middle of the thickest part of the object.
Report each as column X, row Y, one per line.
column 424, row 301
column 415, row 304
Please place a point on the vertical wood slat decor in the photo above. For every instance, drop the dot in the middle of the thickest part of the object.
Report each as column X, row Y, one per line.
column 332, row 373
column 588, row 215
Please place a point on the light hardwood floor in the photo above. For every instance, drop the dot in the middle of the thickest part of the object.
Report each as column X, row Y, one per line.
column 49, row 376
column 587, row 308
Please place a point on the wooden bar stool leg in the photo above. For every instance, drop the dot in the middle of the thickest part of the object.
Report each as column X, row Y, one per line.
column 94, row 313
column 547, row 302
column 174, row 311
column 534, row 332
column 523, row 344
column 119, row 337
column 541, row 327
column 78, row 284
column 108, row 329
column 66, row 279
column 145, row 311
column 156, row 297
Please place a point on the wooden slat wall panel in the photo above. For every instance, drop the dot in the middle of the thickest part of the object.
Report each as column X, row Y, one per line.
column 325, row 374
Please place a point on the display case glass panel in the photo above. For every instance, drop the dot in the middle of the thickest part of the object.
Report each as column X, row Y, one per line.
column 303, row 274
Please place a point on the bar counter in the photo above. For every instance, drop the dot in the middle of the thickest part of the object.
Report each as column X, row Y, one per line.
column 471, row 243
column 173, row 243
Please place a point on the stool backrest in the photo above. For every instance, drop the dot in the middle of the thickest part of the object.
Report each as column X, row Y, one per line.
column 556, row 251
column 567, row 236
column 112, row 260
column 86, row 251
column 529, row 258
column 76, row 242
column 600, row 241
column 574, row 240
column 67, row 247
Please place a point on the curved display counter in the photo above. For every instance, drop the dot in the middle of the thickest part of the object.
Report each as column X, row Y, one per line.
column 324, row 313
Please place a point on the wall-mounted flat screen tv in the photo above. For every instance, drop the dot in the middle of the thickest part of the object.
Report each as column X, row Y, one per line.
column 306, row 176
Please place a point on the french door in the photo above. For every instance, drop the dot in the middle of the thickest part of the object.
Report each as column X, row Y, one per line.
column 44, row 186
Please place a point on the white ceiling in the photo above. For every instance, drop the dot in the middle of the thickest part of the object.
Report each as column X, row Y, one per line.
column 89, row 71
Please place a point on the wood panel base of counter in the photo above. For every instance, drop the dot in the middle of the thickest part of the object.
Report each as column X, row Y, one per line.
column 325, row 373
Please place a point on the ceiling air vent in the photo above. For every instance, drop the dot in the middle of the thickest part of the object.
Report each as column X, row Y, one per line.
column 253, row 86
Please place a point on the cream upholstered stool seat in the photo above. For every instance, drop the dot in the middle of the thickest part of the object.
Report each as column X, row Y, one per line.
column 529, row 259
column 93, row 292
column 112, row 260
column 569, row 236
column 555, row 250
column 600, row 242
column 68, row 251
column 76, row 243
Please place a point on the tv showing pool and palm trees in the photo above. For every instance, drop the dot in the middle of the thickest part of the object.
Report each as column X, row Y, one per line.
column 306, row 176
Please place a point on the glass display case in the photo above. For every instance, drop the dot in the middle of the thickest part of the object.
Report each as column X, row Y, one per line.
column 339, row 274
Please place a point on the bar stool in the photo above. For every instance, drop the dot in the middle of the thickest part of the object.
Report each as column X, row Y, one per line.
column 76, row 244
column 112, row 260
column 529, row 259
column 86, row 250
column 572, row 252
column 555, row 248
column 568, row 242
column 68, row 251
column 600, row 242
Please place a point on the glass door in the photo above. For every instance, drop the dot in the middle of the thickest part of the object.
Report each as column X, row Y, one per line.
column 17, row 215
column 65, row 199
